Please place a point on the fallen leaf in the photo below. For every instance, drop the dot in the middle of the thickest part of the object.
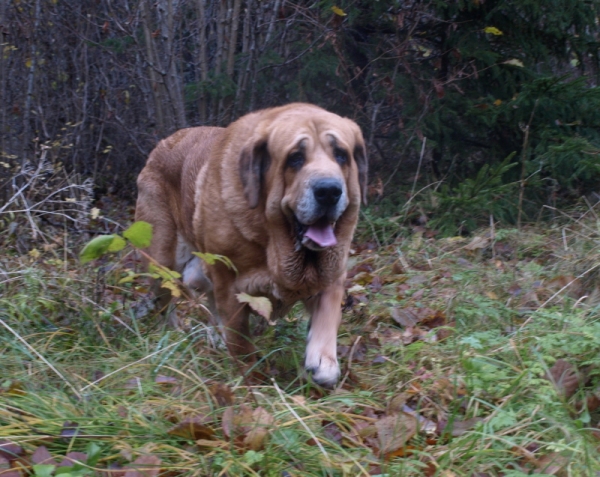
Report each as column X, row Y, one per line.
column 192, row 428
column 393, row 432
column 259, row 304
column 69, row 429
column 551, row 464
column 262, row 421
column 10, row 450
column 43, row 456
column 6, row 470
column 478, row 243
column 458, row 428
column 565, row 378
column 144, row 466
column 222, row 394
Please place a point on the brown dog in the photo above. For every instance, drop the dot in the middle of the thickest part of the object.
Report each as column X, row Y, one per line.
column 277, row 192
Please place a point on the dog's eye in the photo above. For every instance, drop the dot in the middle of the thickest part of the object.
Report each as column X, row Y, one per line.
column 340, row 155
column 295, row 160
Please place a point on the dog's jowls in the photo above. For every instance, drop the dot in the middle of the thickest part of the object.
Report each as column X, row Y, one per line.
column 278, row 193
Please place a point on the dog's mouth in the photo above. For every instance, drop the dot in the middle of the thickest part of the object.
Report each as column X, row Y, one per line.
column 317, row 236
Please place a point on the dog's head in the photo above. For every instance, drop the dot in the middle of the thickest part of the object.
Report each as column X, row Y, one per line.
column 308, row 166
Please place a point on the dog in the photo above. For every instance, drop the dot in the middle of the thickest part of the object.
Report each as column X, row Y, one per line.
column 278, row 193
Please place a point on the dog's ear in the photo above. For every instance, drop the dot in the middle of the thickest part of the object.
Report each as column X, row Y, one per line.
column 360, row 156
column 254, row 163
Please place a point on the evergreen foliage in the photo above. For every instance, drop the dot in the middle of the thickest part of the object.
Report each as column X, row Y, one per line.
column 479, row 79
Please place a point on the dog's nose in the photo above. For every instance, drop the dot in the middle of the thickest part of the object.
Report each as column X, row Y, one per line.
column 327, row 192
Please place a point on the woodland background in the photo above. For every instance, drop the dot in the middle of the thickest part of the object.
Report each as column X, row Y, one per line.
column 461, row 356
column 487, row 107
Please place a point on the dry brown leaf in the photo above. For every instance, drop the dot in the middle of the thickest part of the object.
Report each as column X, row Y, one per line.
column 262, row 422
column 460, row 427
column 478, row 243
column 565, row 378
column 406, row 317
column 212, row 444
column 9, row 450
column 6, row 470
column 393, row 432
column 569, row 285
column 192, row 428
column 552, row 464
column 248, row 428
column 42, row 456
column 222, row 394
column 70, row 429
column 144, row 466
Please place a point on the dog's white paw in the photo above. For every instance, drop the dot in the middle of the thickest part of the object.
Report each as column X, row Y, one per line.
column 325, row 369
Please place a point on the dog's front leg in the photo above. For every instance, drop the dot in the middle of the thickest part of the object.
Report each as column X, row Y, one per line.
column 321, row 349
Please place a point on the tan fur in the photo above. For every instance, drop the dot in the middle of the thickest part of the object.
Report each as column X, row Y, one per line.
column 229, row 191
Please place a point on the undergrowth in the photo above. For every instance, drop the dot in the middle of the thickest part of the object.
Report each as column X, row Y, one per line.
column 460, row 356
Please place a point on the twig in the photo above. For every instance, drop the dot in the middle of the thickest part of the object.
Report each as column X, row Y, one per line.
column 418, row 168
column 93, row 383
column 523, row 163
column 349, row 362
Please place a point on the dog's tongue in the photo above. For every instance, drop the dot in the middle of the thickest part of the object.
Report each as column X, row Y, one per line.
column 321, row 233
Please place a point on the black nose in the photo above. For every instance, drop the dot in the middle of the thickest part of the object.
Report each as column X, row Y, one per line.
column 327, row 192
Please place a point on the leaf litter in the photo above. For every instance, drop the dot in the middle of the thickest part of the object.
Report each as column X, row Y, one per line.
column 432, row 356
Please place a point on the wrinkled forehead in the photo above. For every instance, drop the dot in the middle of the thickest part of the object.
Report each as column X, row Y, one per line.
column 311, row 129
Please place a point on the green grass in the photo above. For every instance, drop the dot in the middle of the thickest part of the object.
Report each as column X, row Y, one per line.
column 78, row 351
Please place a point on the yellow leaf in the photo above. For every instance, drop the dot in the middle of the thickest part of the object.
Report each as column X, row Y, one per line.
column 498, row 102
column 34, row 253
column 514, row 62
column 492, row 30
column 171, row 285
column 28, row 63
column 259, row 304
column 338, row 11
column 491, row 295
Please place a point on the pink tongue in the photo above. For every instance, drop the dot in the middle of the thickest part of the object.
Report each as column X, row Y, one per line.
column 321, row 233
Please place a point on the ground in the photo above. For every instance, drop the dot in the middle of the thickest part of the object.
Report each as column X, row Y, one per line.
column 475, row 356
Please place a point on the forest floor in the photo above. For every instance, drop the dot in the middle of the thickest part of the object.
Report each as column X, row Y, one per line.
column 475, row 356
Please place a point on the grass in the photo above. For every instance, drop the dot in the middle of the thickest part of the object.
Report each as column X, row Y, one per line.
column 451, row 354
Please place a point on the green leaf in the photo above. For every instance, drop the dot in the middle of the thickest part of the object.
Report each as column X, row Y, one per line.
column 139, row 234
column 96, row 247
column 43, row 470
column 93, row 452
column 163, row 272
column 117, row 244
column 212, row 258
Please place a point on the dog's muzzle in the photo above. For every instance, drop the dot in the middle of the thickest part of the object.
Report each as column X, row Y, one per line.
column 323, row 203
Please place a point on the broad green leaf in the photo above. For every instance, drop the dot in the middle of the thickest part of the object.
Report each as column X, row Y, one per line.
column 212, row 258
column 43, row 470
column 118, row 243
column 139, row 234
column 94, row 452
column 96, row 247
column 163, row 272
column 259, row 304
